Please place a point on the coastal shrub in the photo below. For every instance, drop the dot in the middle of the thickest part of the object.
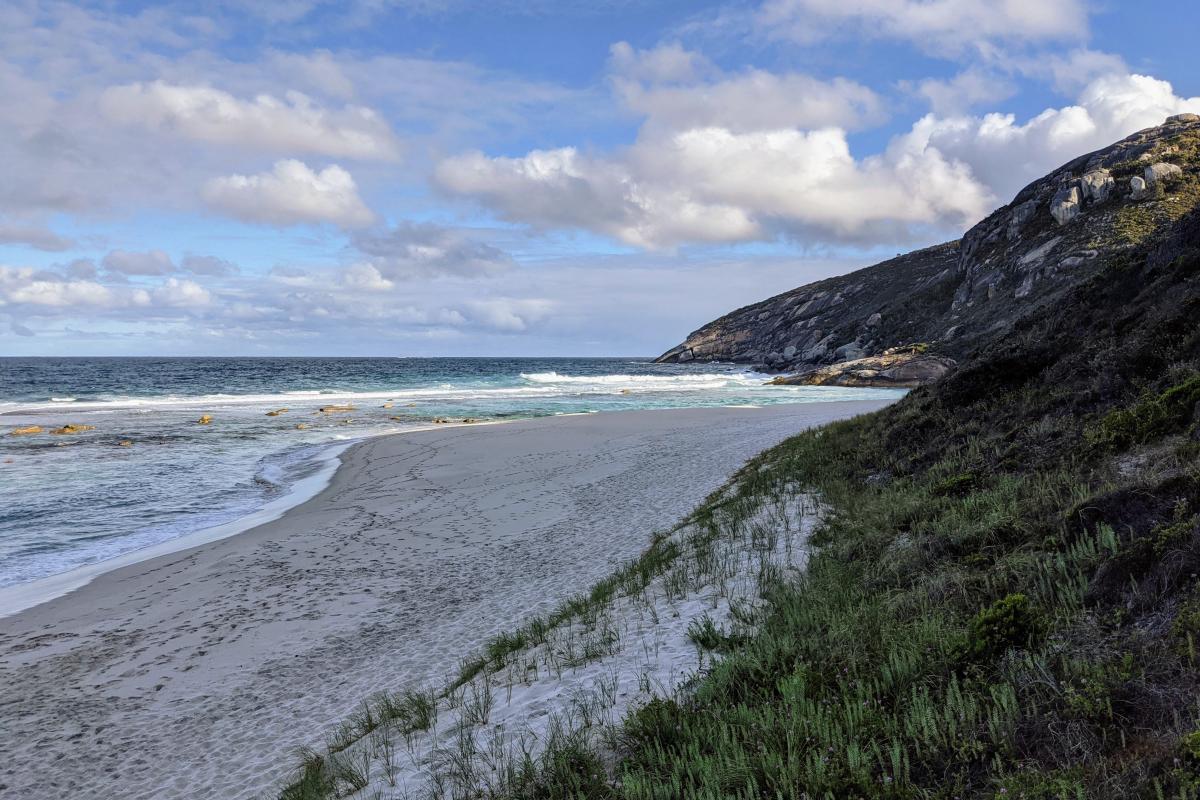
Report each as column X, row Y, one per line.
column 1150, row 418
column 955, row 485
column 1009, row 622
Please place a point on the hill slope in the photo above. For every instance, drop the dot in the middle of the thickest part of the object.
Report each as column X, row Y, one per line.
column 1055, row 234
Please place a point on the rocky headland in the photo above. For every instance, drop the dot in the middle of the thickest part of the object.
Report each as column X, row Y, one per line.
column 943, row 301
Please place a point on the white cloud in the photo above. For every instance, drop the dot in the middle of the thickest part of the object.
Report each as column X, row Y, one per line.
column 508, row 314
column 364, row 277
column 1004, row 155
column 292, row 125
column 674, row 88
column 713, row 184
column 411, row 250
column 290, row 194
column 967, row 89
column 934, row 25
column 24, row 286
column 151, row 262
column 176, row 293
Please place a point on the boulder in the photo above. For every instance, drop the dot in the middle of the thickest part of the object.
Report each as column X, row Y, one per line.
column 874, row 320
column 277, row 412
column 205, row 420
column 1065, row 205
column 1020, row 215
column 336, row 409
column 301, row 426
column 125, row 443
column 1161, row 174
column 851, row 351
column 28, row 430
column 1097, row 185
column 70, row 428
column 1138, row 190
column 388, row 404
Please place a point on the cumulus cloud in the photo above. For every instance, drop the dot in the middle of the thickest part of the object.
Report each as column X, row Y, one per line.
column 293, row 124
column 508, row 314
column 291, row 194
column 676, row 88
column 714, row 184
column 411, row 250
column 935, row 25
column 25, row 286
column 177, row 293
column 150, row 262
column 1003, row 154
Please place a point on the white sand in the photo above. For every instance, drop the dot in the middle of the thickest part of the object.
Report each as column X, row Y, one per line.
column 198, row 673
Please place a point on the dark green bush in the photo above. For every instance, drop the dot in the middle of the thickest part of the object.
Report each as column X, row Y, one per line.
column 1009, row 622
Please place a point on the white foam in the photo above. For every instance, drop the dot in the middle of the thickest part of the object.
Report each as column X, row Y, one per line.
column 26, row 595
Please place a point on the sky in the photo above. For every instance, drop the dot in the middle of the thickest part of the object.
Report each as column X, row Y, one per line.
column 546, row 177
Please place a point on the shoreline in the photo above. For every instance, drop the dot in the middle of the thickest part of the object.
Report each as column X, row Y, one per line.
column 197, row 673
column 23, row 596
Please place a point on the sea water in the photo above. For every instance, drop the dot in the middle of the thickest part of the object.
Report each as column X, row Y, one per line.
column 67, row 501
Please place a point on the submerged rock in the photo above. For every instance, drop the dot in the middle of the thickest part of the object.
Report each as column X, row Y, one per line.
column 70, row 428
column 205, row 420
column 301, row 426
column 336, row 409
column 277, row 412
column 28, row 430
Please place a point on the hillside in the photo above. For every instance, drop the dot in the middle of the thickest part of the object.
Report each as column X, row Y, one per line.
column 1056, row 234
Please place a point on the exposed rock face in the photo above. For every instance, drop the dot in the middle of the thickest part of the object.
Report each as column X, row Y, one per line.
column 893, row 369
column 1056, row 233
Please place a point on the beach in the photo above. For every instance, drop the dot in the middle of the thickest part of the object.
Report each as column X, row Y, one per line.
column 199, row 673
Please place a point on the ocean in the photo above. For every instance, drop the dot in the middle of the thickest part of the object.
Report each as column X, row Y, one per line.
column 147, row 471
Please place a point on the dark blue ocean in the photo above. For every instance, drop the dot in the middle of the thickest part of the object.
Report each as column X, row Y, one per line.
column 73, row 499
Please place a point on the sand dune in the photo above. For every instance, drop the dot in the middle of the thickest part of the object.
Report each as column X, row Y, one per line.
column 196, row 674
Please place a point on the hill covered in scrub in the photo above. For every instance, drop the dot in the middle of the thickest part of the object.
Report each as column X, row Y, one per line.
column 1056, row 233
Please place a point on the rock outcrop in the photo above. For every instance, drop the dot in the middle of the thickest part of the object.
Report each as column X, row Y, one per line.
column 896, row 368
column 1056, row 233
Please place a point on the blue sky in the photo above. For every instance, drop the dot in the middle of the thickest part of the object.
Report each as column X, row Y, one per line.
column 449, row 177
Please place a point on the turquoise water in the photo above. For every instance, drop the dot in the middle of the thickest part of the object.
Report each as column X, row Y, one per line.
column 68, row 501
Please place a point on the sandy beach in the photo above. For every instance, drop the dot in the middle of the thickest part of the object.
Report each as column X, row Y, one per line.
column 199, row 673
